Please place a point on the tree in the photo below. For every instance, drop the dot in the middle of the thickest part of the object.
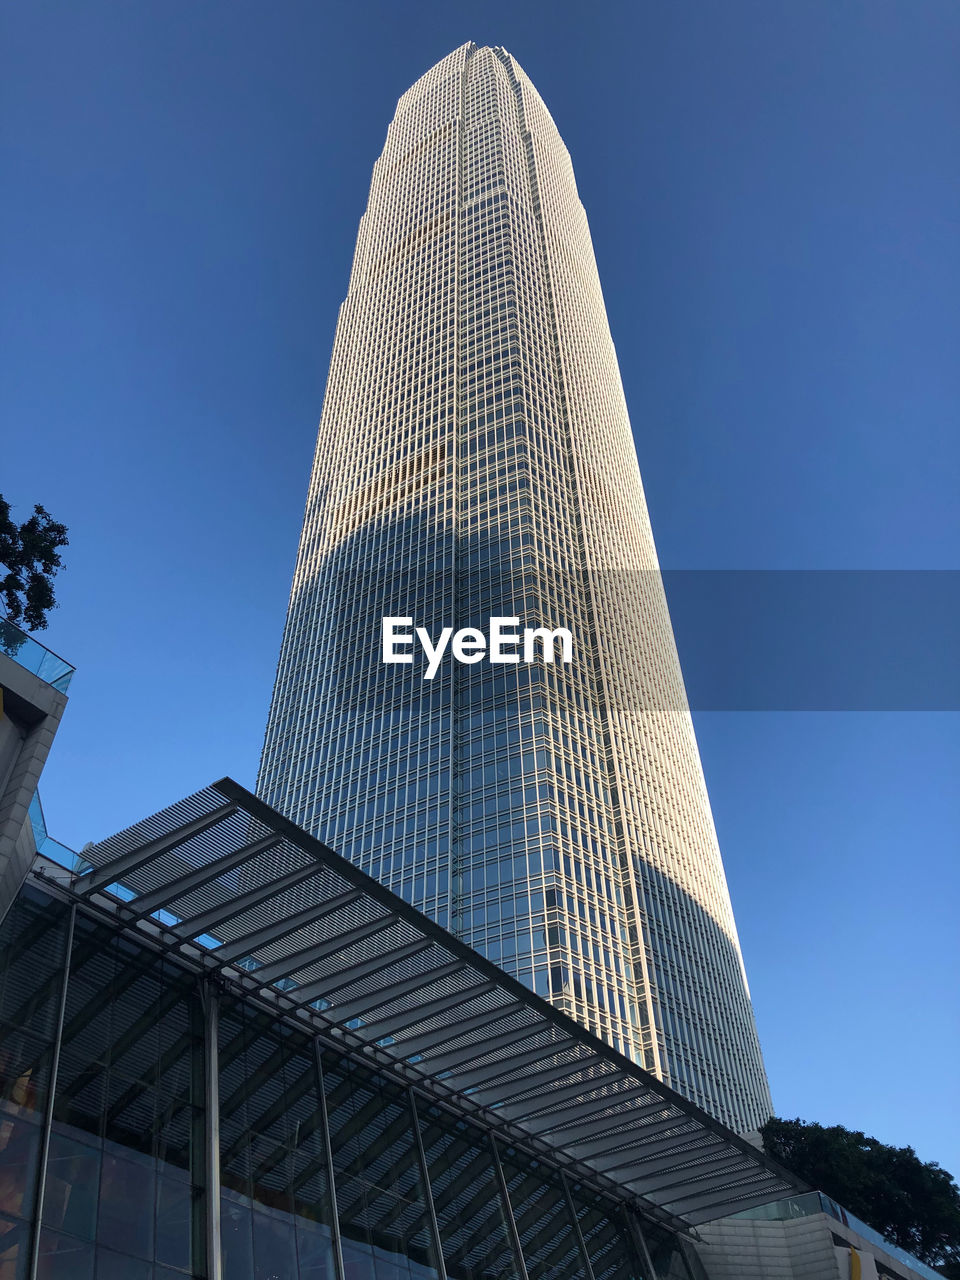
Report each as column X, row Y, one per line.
column 30, row 554
column 913, row 1204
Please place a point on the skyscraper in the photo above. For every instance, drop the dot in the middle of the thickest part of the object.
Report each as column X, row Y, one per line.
column 475, row 461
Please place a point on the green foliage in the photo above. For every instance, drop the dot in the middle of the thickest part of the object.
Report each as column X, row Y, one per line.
column 30, row 554
column 913, row 1204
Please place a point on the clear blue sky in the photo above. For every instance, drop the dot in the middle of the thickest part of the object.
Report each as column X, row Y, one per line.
column 774, row 196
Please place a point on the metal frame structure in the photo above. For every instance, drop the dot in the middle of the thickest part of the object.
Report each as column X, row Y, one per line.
column 253, row 903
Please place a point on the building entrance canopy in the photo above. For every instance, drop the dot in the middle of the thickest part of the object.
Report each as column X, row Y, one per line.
column 237, row 891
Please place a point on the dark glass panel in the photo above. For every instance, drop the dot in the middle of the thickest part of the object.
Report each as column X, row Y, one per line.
column 179, row 1133
column 548, row 1240
column 19, row 1148
column 127, row 1191
column 32, row 940
column 14, row 1248
column 25, row 1061
column 665, row 1253
column 271, row 1136
column 130, row 1116
column 314, row 1251
column 81, row 1088
column 373, row 1262
column 467, row 1200
column 237, row 1242
column 174, row 1219
column 274, row 1246
column 64, row 1258
column 119, row 1266
column 606, row 1237
column 73, row 1178
column 380, row 1196
column 132, row 1050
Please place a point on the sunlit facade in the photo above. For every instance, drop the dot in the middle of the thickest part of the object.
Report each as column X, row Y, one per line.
column 475, row 459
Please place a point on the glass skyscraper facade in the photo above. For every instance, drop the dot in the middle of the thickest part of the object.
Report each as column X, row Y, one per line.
column 475, row 460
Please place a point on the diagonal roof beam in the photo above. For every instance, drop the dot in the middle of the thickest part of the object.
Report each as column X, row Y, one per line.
column 236, row 904
column 290, row 964
column 578, row 1092
column 700, row 1194
column 361, row 1005
column 320, row 988
column 508, row 1066
column 127, row 862
column 444, row 1035
column 547, row 1120
column 412, row 1017
column 680, row 1176
column 596, row 1143
column 537, row 1079
column 590, row 1134
column 147, row 903
column 286, row 926
column 712, row 1147
column 732, row 1201
column 443, row 1062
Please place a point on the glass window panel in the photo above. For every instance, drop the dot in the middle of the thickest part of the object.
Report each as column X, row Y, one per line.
column 19, row 1147
column 466, row 1195
column 547, row 1237
column 131, row 1111
column 24, row 1071
column 174, row 1218
column 70, row 1196
column 665, row 1253
column 64, row 1258
column 377, row 1170
column 606, row 1237
column 237, row 1240
column 119, row 1266
column 81, row 1084
column 271, row 1119
column 314, row 1251
column 274, row 1247
column 14, row 1248
column 127, row 1190
column 32, row 940
column 179, row 1133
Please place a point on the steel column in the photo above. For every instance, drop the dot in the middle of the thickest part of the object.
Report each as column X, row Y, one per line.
column 508, row 1210
column 572, row 1210
column 211, row 1098
column 51, row 1094
column 427, row 1189
column 328, row 1157
column 636, row 1233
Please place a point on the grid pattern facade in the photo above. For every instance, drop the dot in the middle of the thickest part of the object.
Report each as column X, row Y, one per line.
column 475, row 459
column 326, row 1170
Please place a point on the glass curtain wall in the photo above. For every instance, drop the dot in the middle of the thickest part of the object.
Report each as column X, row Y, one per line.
column 328, row 1169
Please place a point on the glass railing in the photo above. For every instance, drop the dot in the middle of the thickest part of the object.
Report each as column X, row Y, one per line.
column 47, row 847
column 810, row 1202
column 53, row 851
column 894, row 1250
column 33, row 656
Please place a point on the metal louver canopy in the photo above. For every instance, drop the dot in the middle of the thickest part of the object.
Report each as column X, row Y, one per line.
column 229, row 883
